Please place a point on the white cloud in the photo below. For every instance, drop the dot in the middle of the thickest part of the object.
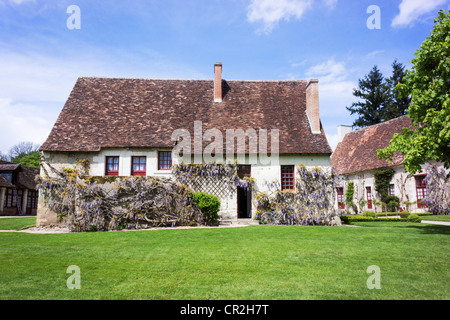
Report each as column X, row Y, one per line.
column 271, row 12
column 412, row 10
column 23, row 122
column 374, row 53
column 18, row 2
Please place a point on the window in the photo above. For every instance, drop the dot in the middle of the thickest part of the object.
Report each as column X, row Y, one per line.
column 391, row 190
column 421, row 190
column 340, row 197
column 32, row 199
column 369, row 197
column 112, row 166
column 244, row 171
column 138, row 166
column 9, row 198
column 287, row 178
column 164, row 160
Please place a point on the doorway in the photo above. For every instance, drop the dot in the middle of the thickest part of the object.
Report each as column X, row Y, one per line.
column 244, row 199
column 244, row 196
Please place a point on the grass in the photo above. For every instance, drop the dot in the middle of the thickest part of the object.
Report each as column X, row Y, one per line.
column 445, row 218
column 17, row 223
column 255, row 262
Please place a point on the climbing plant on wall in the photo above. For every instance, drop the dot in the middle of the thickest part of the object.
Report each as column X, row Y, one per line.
column 311, row 203
column 383, row 178
column 86, row 203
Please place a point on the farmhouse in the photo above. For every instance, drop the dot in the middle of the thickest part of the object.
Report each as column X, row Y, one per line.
column 18, row 195
column 355, row 158
column 126, row 127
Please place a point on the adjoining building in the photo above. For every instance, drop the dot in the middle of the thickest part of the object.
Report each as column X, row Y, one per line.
column 18, row 194
column 356, row 159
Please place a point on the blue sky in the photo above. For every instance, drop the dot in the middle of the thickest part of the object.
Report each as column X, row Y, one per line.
column 41, row 58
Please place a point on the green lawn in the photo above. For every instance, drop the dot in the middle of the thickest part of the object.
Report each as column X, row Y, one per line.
column 445, row 218
column 17, row 223
column 256, row 262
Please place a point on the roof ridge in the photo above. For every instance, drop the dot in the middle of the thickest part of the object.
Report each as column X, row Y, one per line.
column 381, row 123
column 184, row 79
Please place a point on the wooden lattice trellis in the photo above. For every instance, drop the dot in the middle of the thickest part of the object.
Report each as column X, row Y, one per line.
column 217, row 186
column 216, row 179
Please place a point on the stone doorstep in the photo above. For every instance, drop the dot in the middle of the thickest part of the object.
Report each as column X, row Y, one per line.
column 239, row 222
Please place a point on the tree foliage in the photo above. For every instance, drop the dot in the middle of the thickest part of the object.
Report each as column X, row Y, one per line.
column 32, row 159
column 428, row 85
column 397, row 105
column 379, row 101
column 373, row 94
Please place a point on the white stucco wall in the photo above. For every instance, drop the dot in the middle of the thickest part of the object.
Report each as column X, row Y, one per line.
column 262, row 173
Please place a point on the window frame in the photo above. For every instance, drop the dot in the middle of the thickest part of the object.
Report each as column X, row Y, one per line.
column 369, row 197
column 244, row 170
column 421, row 189
column 284, row 184
column 139, row 173
column 112, row 172
column 392, row 190
column 159, row 160
column 340, row 197
column 9, row 198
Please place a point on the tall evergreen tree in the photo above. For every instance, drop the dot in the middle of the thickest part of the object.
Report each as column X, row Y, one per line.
column 397, row 105
column 374, row 93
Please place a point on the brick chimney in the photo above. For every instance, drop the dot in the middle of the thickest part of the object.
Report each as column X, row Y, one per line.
column 218, row 82
column 312, row 105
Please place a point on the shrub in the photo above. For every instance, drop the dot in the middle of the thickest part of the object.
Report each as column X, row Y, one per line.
column 368, row 214
column 208, row 204
column 349, row 219
column 404, row 214
column 392, row 202
column 414, row 218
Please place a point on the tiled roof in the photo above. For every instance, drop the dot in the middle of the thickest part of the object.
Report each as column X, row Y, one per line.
column 8, row 166
column 26, row 175
column 358, row 150
column 112, row 112
column 4, row 183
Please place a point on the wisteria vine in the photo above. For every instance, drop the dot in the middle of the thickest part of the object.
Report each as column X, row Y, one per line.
column 311, row 203
column 83, row 204
column 438, row 190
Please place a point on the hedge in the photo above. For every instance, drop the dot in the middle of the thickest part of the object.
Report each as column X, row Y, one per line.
column 383, row 214
column 349, row 219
